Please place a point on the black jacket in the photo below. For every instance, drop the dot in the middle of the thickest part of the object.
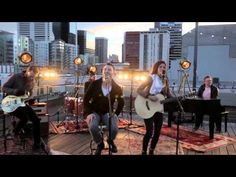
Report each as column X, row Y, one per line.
column 18, row 85
column 95, row 101
column 214, row 91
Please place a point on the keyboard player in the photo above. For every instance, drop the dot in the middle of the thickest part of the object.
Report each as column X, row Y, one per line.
column 207, row 91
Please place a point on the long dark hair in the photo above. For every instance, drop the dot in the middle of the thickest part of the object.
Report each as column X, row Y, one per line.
column 166, row 90
column 156, row 65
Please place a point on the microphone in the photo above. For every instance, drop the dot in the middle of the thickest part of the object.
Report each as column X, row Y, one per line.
column 163, row 72
column 107, row 76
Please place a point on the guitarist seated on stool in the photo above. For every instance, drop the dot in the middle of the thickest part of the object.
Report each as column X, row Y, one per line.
column 20, row 84
column 156, row 83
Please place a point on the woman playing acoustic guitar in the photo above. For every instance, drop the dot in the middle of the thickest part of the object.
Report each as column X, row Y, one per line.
column 156, row 83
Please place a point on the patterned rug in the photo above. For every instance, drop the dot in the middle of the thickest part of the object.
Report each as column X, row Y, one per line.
column 197, row 141
column 24, row 148
column 128, row 145
column 71, row 126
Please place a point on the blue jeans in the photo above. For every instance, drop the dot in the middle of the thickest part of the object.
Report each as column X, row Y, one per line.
column 94, row 130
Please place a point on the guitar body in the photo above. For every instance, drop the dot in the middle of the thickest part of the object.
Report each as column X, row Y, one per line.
column 11, row 102
column 147, row 108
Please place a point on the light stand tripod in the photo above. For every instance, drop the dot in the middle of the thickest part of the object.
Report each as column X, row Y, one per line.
column 184, row 79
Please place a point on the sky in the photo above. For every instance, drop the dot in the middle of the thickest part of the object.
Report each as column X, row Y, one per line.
column 114, row 31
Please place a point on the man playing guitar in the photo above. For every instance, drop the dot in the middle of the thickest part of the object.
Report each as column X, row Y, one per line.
column 21, row 84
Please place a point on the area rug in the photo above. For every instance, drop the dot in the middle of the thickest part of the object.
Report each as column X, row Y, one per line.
column 71, row 126
column 198, row 141
column 19, row 149
column 129, row 145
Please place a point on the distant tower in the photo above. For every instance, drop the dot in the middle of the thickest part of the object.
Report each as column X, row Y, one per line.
column 131, row 48
column 101, row 49
column 61, row 31
column 175, row 29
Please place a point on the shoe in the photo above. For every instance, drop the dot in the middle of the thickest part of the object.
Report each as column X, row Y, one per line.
column 195, row 129
column 113, row 146
column 151, row 152
column 144, row 153
column 99, row 149
column 218, row 130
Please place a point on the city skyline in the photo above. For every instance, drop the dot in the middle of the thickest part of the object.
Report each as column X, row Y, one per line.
column 114, row 31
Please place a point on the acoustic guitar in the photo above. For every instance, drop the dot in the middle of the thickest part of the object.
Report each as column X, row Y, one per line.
column 146, row 108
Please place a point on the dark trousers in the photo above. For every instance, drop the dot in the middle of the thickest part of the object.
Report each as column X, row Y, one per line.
column 215, row 118
column 155, row 122
column 25, row 114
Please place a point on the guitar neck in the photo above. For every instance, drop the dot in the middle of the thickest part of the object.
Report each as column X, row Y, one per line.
column 168, row 100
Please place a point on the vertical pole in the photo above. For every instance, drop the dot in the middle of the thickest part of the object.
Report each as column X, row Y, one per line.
column 131, row 98
column 195, row 57
column 38, row 89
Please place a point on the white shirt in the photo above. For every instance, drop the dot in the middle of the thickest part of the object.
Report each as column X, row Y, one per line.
column 157, row 84
column 106, row 89
column 207, row 93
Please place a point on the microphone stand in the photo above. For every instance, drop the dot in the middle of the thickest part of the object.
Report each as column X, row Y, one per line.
column 180, row 112
column 109, row 126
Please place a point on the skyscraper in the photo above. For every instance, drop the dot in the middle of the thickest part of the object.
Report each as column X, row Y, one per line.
column 101, row 49
column 6, row 47
column 61, row 31
column 131, row 48
column 175, row 29
column 41, row 34
column 154, row 45
column 37, row 31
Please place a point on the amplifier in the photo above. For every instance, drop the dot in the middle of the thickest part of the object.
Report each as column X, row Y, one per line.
column 44, row 126
column 40, row 108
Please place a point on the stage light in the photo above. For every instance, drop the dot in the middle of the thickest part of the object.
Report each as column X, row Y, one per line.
column 185, row 64
column 78, row 61
column 92, row 69
column 25, row 57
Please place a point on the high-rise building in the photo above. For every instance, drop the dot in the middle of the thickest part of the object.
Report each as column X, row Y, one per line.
column 41, row 34
column 25, row 44
column 101, row 49
column 57, row 54
column 154, row 45
column 113, row 58
column 6, row 47
column 86, row 42
column 131, row 48
column 175, row 29
column 37, row 31
column 61, row 31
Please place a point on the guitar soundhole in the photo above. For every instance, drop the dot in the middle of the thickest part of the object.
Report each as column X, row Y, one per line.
column 147, row 105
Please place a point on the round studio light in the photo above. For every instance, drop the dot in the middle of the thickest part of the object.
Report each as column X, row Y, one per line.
column 92, row 69
column 185, row 64
column 25, row 57
column 78, row 61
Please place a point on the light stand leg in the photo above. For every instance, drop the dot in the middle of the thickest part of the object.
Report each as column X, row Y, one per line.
column 177, row 136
